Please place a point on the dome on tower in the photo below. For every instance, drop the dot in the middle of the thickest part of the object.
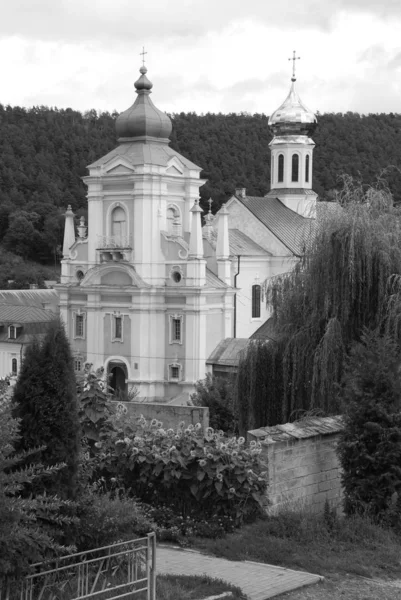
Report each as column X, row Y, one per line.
column 143, row 118
column 292, row 117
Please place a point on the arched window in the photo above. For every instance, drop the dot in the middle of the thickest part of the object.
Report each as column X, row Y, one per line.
column 295, row 168
column 256, row 301
column 173, row 221
column 14, row 366
column 272, row 170
column 307, row 169
column 118, row 225
column 280, row 178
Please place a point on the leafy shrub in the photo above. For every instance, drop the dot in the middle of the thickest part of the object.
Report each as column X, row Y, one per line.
column 370, row 444
column 105, row 518
column 31, row 529
column 217, row 394
column 188, row 469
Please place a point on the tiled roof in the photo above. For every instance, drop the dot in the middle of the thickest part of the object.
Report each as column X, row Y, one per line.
column 29, row 297
column 213, row 281
column 289, row 227
column 227, row 352
column 305, row 428
column 239, row 242
column 139, row 153
column 266, row 331
column 24, row 314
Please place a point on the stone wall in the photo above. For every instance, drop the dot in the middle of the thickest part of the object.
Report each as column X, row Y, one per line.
column 302, row 463
column 168, row 414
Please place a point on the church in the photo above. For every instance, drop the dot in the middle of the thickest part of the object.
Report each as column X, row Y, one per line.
column 146, row 291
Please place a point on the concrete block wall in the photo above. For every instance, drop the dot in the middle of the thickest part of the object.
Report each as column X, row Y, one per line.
column 168, row 414
column 302, row 464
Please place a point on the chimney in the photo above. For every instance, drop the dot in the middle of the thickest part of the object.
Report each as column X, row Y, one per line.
column 240, row 192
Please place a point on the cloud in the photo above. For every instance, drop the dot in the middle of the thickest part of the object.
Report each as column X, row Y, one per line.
column 138, row 22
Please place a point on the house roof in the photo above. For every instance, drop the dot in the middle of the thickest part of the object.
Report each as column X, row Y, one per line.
column 266, row 331
column 29, row 297
column 227, row 352
column 140, row 153
column 288, row 226
column 24, row 314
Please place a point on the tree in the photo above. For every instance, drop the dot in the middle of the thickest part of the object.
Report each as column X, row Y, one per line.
column 45, row 401
column 370, row 444
column 30, row 528
column 348, row 279
column 218, row 395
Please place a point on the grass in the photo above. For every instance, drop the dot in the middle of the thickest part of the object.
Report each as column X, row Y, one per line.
column 318, row 544
column 180, row 587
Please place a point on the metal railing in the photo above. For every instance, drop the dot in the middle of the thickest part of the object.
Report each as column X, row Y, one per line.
column 113, row 241
column 118, row 571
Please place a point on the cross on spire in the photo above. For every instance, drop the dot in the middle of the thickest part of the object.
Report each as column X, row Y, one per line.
column 294, row 58
column 143, row 55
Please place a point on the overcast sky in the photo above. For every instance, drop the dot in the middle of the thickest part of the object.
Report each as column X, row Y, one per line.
column 203, row 55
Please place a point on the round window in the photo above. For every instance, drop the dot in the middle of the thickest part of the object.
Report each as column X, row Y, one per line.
column 176, row 276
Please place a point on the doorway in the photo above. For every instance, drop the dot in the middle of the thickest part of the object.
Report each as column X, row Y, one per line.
column 117, row 380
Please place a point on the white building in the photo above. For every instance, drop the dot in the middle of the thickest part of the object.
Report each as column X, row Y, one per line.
column 136, row 294
column 147, row 294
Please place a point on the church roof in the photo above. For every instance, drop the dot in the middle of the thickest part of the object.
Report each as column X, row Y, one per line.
column 292, row 116
column 29, row 297
column 140, row 153
column 239, row 243
column 213, row 281
column 267, row 331
column 288, row 226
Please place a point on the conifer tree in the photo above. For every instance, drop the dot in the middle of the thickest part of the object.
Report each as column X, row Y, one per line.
column 45, row 402
column 370, row 444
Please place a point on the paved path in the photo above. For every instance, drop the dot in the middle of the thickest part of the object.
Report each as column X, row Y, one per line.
column 257, row 580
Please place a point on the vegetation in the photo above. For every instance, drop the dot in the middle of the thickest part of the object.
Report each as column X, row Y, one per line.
column 217, row 393
column 370, row 444
column 348, row 280
column 30, row 528
column 45, row 151
column 45, row 402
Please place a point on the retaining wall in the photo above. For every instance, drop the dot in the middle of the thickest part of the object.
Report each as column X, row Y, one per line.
column 168, row 414
column 302, row 464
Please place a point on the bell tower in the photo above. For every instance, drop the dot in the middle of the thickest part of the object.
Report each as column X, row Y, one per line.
column 292, row 125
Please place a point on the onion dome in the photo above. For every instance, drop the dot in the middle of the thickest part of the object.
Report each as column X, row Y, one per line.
column 292, row 117
column 143, row 119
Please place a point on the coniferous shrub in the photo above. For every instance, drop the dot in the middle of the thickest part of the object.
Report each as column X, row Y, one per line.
column 370, row 444
column 45, row 401
column 31, row 529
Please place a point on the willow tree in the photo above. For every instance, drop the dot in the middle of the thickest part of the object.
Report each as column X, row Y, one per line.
column 348, row 280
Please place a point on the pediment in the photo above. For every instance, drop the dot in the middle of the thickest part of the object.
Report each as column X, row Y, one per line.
column 175, row 167
column 113, row 274
column 173, row 170
column 119, row 169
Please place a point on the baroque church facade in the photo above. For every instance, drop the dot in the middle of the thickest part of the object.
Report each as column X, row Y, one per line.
column 146, row 292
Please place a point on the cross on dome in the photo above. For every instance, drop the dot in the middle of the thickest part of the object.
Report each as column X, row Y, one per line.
column 143, row 55
column 294, row 58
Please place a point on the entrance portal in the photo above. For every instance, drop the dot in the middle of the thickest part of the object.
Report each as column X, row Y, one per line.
column 117, row 380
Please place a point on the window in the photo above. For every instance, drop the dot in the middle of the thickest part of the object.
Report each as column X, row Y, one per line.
column 175, row 372
column 118, row 328
column 280, row 168
column 173, row 218
column 307, row 169
column 256, row 301
column 77, row 364
column 175, row 329
column 12, row 332
column 295, row 168
column 118, row 225
column 14, row 366
column 272, row 171
column 79, row 324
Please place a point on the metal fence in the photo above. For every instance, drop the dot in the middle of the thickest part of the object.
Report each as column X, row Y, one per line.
column 123, row 570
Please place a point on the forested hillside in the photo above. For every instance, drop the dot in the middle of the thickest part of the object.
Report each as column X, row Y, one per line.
column 44, row 153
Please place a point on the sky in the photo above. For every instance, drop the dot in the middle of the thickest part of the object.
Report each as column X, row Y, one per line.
column 202, row 55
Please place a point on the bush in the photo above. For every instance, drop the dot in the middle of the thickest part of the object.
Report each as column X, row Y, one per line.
column 31, row 529
column 105, row 518
column 217, row 394
column 370, row 444
column 188, row 469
